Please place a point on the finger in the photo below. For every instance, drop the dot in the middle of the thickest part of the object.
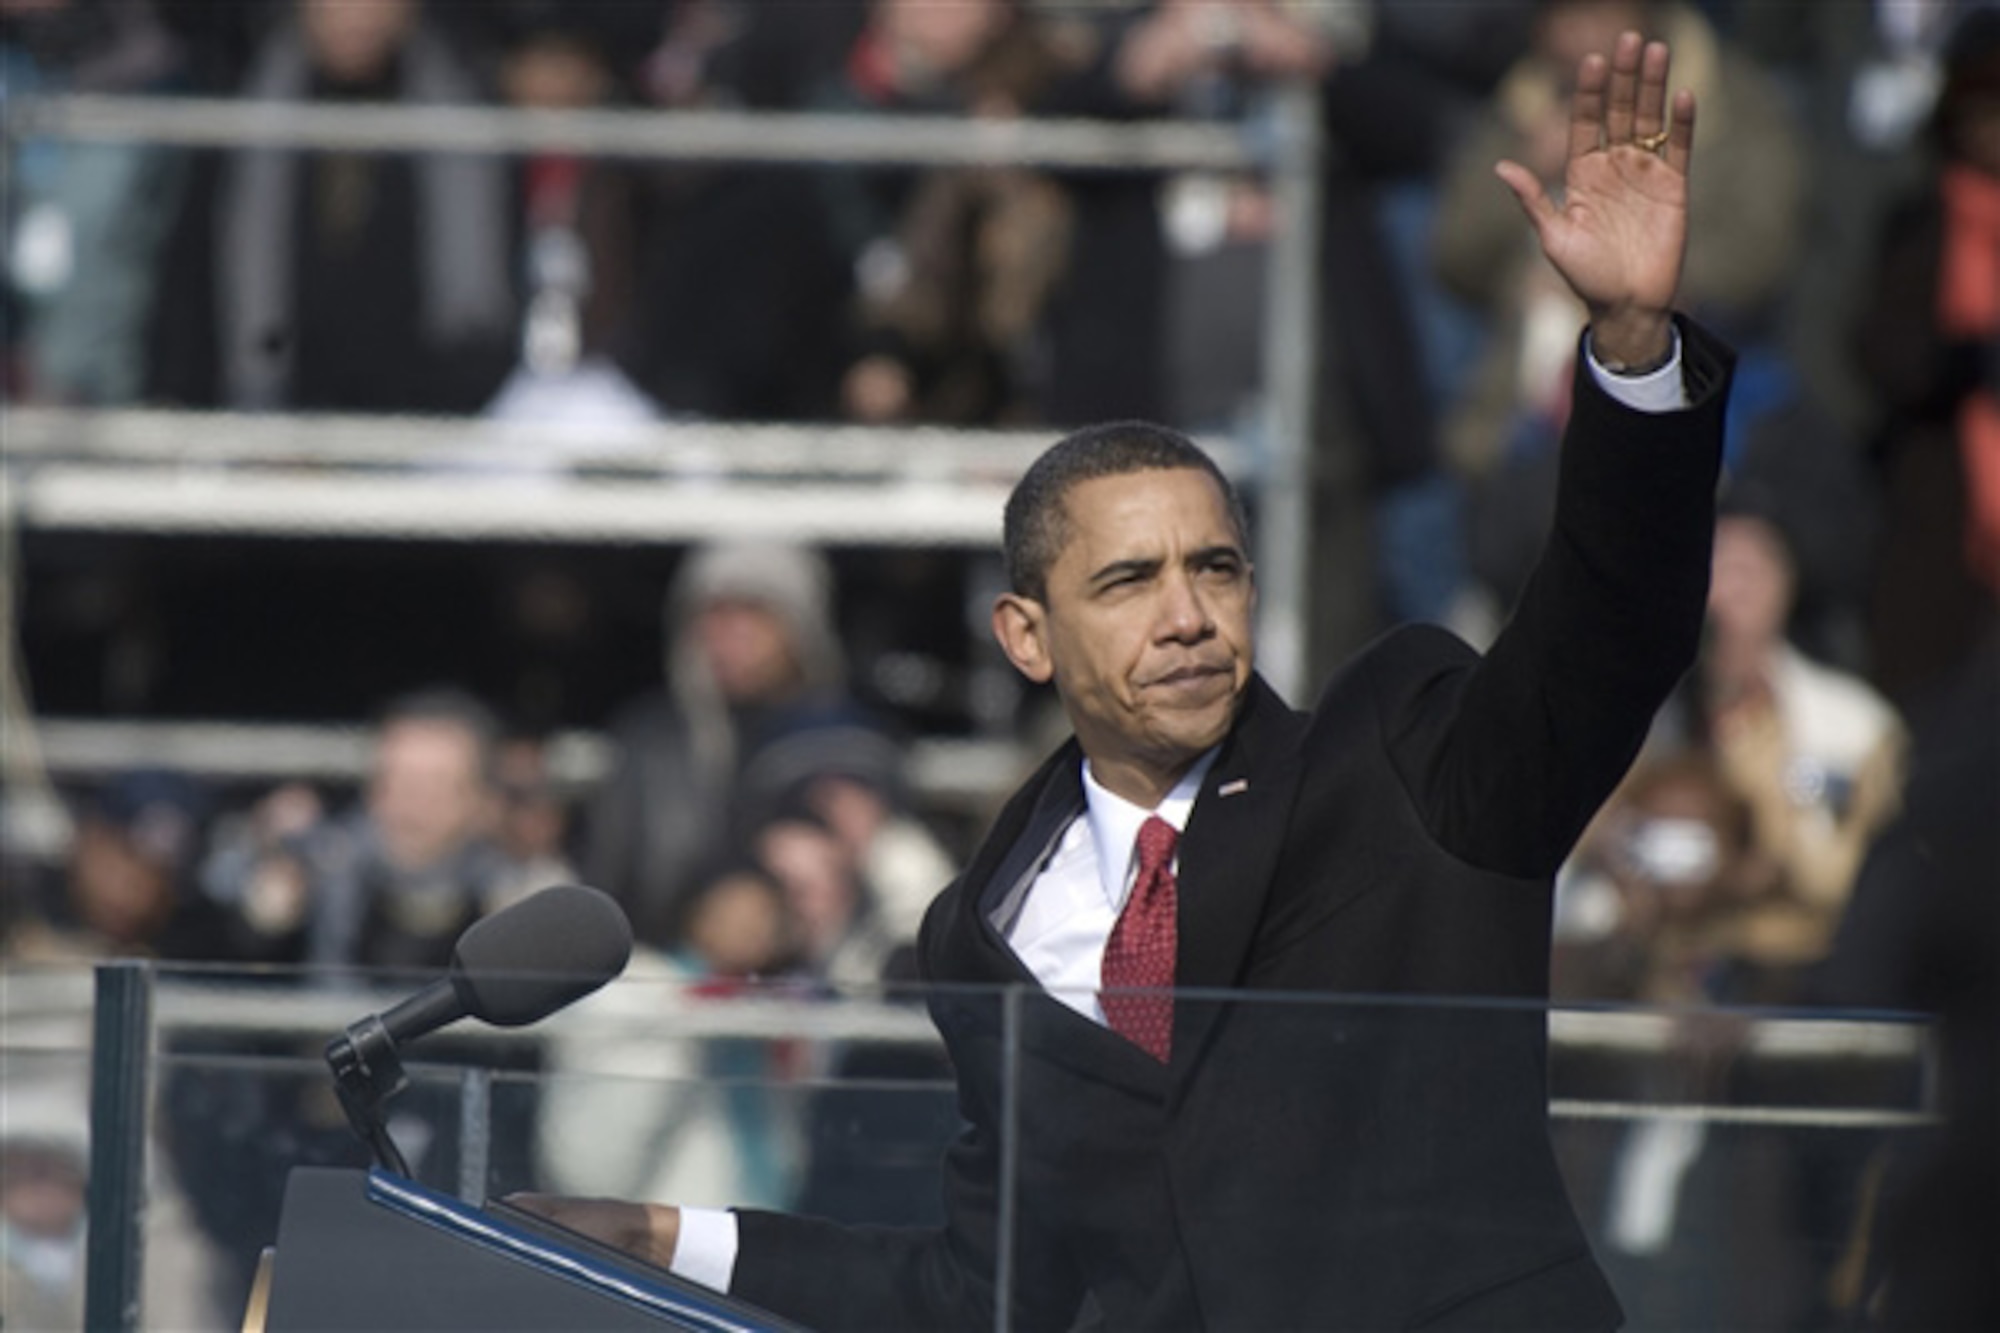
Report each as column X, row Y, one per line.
column 1586, row 108
column 1680, row 134
column 1650, row 116
column 1624, row 96
column 545, row 1204
column 1528, row 192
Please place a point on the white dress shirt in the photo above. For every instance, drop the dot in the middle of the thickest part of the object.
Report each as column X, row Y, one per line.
column 1060, row 930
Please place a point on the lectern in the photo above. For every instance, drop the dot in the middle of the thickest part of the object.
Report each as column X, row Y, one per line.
column 372, row 1250
column 377, row 1251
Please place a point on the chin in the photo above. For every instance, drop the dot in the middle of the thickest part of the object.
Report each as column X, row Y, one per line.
column 1192, row 736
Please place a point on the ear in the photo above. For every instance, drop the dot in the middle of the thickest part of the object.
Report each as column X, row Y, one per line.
column 1020, row 626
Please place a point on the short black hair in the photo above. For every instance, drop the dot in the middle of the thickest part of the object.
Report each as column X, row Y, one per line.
column 1036, row 525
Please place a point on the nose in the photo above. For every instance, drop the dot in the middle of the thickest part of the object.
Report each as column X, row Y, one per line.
column 1184, row 614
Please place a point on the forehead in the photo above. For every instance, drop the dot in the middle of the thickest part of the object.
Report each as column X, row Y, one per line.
column 1134, row 513
column 421, row 740
column 1748, row 530
column 1742, row 541
column 1684, row 794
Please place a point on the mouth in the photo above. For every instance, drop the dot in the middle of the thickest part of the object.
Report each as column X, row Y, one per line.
column 1194, row 679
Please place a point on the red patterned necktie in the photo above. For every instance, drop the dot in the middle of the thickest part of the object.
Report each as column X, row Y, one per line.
column 1139, row 956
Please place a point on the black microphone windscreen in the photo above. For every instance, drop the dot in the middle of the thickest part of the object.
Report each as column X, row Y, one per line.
column 526, row 961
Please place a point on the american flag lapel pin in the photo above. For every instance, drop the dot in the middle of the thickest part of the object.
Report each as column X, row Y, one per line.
column 1233, row 787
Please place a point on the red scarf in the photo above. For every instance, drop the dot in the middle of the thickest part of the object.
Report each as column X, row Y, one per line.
column 1969, row 308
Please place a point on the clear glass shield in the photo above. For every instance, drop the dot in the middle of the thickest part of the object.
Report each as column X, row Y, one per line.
column 1297, row 1161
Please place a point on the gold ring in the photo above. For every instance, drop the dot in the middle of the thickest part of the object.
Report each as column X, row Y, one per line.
column 1652, row 143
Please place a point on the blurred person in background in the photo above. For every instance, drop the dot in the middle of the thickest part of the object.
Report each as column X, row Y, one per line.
column 41, row 1232
column 45, row 1126
column 740, row 296
column 126, row 891
column 1398, row 347
column 1005, row 294
column 754, row 704
column 126, row 887
column 387, row 884
column 839, row 938
column 1746, row 210
column 881, row 1113
column 83, row 222
column 867, row 809
column 1109, row 323
column 1816, row 752
column 1923, row 934
column 1718, row 876
column 1813, row 755
column 1865, row 78
column 391, row 882
column 1649, row 894
column 1653, row 909
column 44, row 1214
column 953, row 266
column 532, row 827
column 335, row 280
column 1926, row 342
column 579, row 219
column 712, row 1115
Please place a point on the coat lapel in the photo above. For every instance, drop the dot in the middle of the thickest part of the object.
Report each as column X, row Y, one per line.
column 972, row 949
column 1227, row 859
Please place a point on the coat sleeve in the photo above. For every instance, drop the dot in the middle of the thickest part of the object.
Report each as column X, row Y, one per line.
column 1511, row 754
column 866, row 1279
column 834, row 1277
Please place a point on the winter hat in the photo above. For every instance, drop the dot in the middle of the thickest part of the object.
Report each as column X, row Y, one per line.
column 791, row 581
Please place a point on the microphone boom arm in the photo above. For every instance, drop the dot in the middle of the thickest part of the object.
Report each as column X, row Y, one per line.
column 367, row 1072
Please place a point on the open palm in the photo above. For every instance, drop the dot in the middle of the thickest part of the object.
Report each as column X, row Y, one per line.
column 1620, row 232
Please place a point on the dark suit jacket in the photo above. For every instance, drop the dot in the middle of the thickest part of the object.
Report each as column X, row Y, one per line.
column 1350, row 1157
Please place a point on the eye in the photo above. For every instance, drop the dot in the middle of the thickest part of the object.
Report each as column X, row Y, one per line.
column 1223, row 567
column 1123, row 579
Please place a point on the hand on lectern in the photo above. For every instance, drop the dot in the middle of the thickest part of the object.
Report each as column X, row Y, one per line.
column 649, row 1231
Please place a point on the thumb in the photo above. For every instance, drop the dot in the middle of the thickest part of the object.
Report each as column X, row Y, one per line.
column 527, row 1201
column 1528, row 192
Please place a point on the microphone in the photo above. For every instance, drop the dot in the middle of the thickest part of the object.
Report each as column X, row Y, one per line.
column 510, row 969
column 522, row 964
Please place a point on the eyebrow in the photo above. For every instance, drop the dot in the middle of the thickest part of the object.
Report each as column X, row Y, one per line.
column 1144, row 567
column 1147, row 566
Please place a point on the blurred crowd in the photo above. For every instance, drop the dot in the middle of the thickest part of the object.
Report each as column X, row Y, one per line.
column 753, row 821
column 1842, row 228
column 754, row 818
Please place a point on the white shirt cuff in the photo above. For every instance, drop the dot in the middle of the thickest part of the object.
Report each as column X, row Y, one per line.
column 706, row 1249
column 1655, row 391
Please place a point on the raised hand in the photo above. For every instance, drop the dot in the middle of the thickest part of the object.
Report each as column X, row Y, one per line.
column 1620, row 232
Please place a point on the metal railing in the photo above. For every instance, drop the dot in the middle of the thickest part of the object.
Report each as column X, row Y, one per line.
column 332, row 475
column 772, row 137
column 943, row 771
column 49, row 1010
